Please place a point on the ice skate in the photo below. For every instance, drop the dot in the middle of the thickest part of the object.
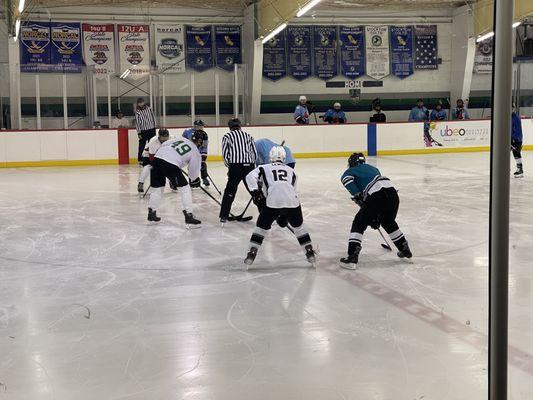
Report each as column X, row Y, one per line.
column 349, row 262
column 404, row 250
column 310, row 254
column 140, row 187
column 250, row 257
column 190, row 221
column 152, row 216
column 519, row 173
column 223, row 222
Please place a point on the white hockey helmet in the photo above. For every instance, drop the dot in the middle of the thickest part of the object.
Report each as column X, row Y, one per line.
column 337, row 106
column 277, row 154
column 302, row 99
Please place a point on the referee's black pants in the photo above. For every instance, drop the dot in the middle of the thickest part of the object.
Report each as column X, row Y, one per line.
column 236, row 174
column 144, row 137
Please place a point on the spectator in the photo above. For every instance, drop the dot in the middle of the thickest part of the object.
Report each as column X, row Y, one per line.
column 334, row 115
column 301, row 113
column 419, row 113
column 460, row 112
column 119, row 121
column 378, row 116
column 145, row 125
column 438, row 114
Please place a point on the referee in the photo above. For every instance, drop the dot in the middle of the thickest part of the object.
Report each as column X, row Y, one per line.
column 145, row 125
column 239, row 153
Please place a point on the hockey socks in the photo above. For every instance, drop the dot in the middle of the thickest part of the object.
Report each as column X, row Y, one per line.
column 401, row 244
column 144, row 173
column 155, row 198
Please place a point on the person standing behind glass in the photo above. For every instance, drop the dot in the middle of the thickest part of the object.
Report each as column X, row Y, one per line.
column 301, row 112
column 335, row 115
column 378, row 116
column 460, row 112
column 438, row 113
column 419, row 113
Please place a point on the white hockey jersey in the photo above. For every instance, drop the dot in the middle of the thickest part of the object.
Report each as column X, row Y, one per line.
column 181, row 152
column 278, row 183
column 152, row 146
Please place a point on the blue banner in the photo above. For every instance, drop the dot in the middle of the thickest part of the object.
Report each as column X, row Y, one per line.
column 299, row 51
column 275, row 57
column 228, row 46
column 199, row 48
column 35, row 47
column 66, row 52
column 325, row 52
column 426, row 49
column 352, row 51
column 401, row 51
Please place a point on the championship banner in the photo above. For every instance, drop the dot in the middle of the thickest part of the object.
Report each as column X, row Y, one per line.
column 352, row 51
column 483, row 57
column 35, row 47
column 325, row 52
column 377, row 51
column 299, row 51
column 134, row 47
column 99, row 49
column 65, row 51
column 275, row 57
column 228, row 46
column 402, row 52
column 170, row 48
column 199, row 48
column 426, row 49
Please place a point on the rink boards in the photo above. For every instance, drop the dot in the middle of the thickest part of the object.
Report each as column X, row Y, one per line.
column 102, row 146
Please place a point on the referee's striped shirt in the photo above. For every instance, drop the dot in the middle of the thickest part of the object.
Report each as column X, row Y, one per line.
column 238, row 147
column 144, row 119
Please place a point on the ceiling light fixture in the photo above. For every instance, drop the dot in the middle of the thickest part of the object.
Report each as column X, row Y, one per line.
column 17, row 29
column 21, row 5
column 274, row 33
column 307, row 7
column 491, row 34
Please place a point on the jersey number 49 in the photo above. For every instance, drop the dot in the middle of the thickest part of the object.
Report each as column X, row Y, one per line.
column 181, row 147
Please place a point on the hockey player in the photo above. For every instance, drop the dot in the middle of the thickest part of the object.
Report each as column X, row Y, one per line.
column 438, row 113
column 335, row 115
column 419, row 113
column 263, row 147
column 273, row 187
column 378, row 202
column 199, row 125
column 301, row 112
column 148, row 156
column 170, row 159
column 516, row 143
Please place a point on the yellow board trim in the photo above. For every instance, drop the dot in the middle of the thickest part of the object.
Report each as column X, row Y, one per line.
column 433, row 150
column 57, row 163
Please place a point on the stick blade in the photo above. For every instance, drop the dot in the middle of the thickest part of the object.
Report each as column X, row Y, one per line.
column 386, row 246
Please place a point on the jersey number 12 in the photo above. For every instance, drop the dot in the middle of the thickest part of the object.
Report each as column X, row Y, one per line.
column 181, row 147
column 279, row 175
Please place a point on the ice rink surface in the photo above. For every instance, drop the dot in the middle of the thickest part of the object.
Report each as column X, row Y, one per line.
column 95, row 303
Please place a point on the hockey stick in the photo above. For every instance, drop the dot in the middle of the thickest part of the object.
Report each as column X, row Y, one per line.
column 386, row 244
column 147, row 189
column 241, row 216
column 215, row 186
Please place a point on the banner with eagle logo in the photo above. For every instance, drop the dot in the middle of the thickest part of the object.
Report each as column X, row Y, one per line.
column 228, row 46
column 275, row 57
column 35, row 47
column 134, row 45
column 352, row 51
column 377, row 51
column 170, row 48
column 99, row 49
column 402, row 51
column 66, row 54
column 299, row 51
column 325, row 52
column 199, row 47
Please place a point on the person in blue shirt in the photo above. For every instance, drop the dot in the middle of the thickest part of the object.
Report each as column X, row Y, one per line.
column 263, row 147
column 516, row 143
column 334, row 115
column 301, row 112
column 199, row 125
column 419, row 113
column 438, row 113
column 460, row 112
column 378, row 201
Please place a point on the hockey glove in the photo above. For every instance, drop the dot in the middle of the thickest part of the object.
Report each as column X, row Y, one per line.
column 358, row 199
column 374, row 224
column 259, row 198
column 195, row 183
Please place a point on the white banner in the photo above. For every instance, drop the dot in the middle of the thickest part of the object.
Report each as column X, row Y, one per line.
column 170, row 48
column 377, row 51
column 461, row 133
column 99, row 49
column 483, row 58
column 134, row 44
